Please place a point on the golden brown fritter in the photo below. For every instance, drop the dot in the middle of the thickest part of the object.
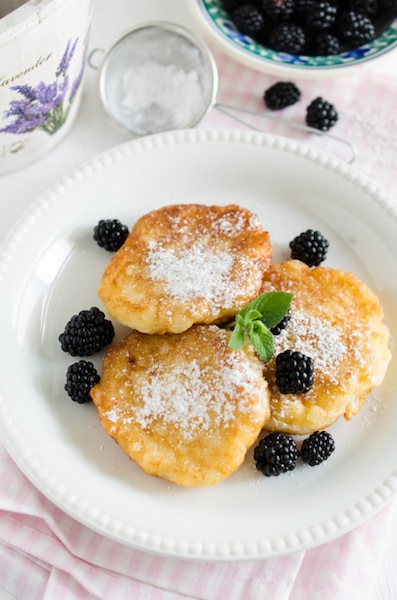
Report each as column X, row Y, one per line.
column 186, row 264
column 337, row 320
column 184, row 407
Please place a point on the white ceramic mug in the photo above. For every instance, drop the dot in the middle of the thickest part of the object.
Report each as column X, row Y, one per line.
column 43, row 46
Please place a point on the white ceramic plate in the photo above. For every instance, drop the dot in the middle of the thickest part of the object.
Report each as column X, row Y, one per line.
column 50, row 268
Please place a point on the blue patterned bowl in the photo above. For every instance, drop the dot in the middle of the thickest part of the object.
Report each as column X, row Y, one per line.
column 217, row 24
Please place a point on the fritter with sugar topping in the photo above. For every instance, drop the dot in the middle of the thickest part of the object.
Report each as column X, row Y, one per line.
column 337, row 321
column 184, row 407
column 186, row 264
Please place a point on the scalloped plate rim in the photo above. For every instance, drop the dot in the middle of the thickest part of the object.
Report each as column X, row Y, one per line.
column 91, row 516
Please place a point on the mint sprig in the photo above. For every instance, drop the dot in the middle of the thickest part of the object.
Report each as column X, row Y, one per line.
column 255, row 321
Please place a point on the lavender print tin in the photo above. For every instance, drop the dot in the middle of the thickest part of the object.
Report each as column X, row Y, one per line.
column 42, row 57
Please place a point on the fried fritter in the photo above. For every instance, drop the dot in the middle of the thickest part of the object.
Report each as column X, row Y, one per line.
column 184, row 407
column 337, row 321
column 186, row 264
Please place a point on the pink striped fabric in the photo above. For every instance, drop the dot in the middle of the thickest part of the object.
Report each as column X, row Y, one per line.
column 365, row 103
column 45, row 554
column 61, row 559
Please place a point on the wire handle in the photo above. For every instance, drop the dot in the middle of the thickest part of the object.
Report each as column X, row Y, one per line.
column 225, row 108
column 90, row 61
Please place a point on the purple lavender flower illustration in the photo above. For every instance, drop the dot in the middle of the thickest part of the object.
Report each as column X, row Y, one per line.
column 66, row 58
column 79, row 77
column 45, row 106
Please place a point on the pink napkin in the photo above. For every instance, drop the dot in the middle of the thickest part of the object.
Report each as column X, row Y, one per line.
column 365, row 102
column 45, row 554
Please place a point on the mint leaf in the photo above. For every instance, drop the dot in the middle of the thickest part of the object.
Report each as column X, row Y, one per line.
column 273, row 306
column 256, row 319
column 237, row 337
column 239, row 320
column 262, row 340
column 251, row 315
column 251, row 306
column 270, row 303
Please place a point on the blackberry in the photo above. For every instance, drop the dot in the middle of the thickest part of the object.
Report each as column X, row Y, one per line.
column 310, row 247
column 281, row 94
column 263, row 36
column 288, row 37
column 365, row 7
column 229, row 5
column 321, row 16
column 317, row 447
column 389, row 5
column 326, row 44
column 278, row 9
column 302, row 6
column 277, row 453
column 321, row 114
column 356, row 28
column 248, row 19
column 86, row 333
column 294, row 372
column 277, row 329
column 110, row 234
column 80, row 379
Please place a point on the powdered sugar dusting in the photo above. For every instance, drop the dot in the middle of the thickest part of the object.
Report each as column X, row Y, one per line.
column 162, row 97
column 206, row 257
column 196, row 270
column 364, row 121
column 200, row 271
column 234, row 223
column 191, row 396
column 315, row 338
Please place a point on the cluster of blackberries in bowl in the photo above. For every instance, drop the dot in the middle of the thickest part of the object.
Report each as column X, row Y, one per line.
column 309, row 27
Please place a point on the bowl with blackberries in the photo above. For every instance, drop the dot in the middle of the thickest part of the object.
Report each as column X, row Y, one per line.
column 304, row 38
